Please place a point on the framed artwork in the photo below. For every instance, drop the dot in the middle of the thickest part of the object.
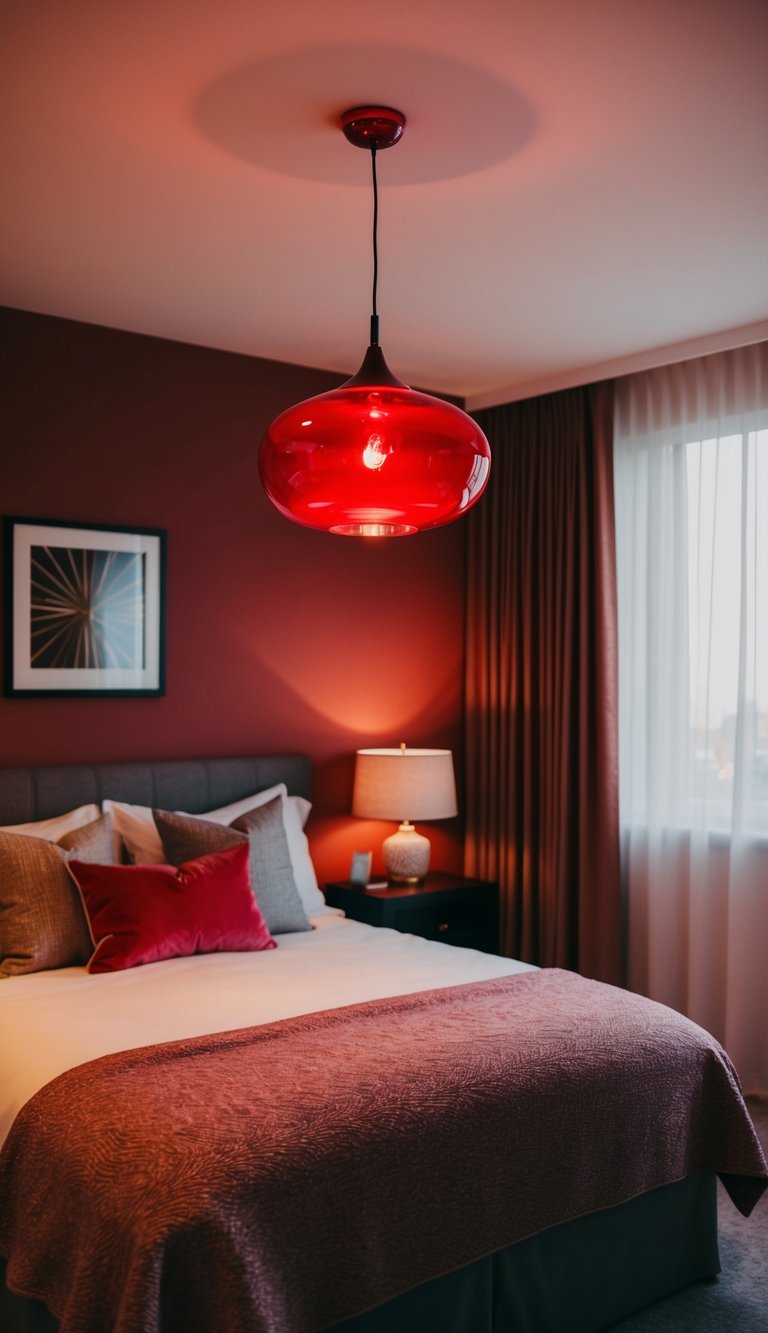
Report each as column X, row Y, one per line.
column 84, row 609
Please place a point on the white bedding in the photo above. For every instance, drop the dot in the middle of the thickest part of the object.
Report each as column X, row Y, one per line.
column 51, row 1021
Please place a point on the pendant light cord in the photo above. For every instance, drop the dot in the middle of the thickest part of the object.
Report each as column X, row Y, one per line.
column 374, row 312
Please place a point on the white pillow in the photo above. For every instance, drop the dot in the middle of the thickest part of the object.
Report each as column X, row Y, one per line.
column 136, row 827
column 302, row 808
column 226, row 813
column 51, row 830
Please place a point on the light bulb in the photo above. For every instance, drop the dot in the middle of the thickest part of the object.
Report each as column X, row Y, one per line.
column 375, row 452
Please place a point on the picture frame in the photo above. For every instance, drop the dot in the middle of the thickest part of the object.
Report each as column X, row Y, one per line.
column 84, row 609
column 360, row 868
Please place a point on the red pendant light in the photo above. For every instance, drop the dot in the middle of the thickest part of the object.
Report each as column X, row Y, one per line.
column 374, row 458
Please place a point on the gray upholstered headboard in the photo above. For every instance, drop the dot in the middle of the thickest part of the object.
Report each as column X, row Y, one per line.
column 195, row 785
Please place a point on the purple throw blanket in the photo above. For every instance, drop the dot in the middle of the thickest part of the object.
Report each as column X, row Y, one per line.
column 286, row 1177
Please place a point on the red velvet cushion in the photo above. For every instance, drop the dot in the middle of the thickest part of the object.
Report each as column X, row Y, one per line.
column 142, row 914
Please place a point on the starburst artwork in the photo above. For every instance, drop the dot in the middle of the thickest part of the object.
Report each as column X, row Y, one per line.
column 84, row 609
column 87, row 608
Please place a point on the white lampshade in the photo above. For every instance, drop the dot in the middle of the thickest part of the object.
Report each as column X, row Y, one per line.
column 404, row 785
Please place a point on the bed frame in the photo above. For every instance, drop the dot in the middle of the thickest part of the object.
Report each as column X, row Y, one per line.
column 583, row 1275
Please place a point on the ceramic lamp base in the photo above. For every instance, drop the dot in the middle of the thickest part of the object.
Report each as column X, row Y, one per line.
column 406, row 855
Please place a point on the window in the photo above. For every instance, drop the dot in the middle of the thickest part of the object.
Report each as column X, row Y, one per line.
column 691, row 476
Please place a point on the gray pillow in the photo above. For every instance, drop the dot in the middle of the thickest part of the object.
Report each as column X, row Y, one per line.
column 272, row 881
column 42, row 922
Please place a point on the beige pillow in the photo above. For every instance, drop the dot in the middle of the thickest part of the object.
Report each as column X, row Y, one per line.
column 42, row 922
column 54, row 829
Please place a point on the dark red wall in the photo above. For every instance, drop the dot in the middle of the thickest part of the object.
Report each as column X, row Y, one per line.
column 279, row 639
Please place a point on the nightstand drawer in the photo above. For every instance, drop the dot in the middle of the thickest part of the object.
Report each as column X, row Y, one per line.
column 470, row 923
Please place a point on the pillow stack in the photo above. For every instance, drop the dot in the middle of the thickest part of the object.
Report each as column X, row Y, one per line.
column 262, row 831
column 137, row 832
column 226, row 880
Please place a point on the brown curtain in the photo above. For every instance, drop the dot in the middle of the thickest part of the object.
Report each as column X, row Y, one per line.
column 542, row 682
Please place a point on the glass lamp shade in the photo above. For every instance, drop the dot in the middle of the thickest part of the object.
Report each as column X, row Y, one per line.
column 374, row 458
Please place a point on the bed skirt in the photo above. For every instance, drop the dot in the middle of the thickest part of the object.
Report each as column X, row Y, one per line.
column 582, row 1275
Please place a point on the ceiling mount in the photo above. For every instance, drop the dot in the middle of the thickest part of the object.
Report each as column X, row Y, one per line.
column 372, row 126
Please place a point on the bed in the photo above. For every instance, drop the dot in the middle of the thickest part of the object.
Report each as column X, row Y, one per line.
column 355, row 1129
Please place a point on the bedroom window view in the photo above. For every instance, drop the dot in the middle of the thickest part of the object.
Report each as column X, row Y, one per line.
column 693, row 631
column 727, row 485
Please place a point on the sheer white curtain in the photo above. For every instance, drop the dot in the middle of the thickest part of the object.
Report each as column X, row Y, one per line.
column 691, row 483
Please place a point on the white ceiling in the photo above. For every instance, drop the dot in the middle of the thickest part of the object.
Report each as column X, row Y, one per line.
column 581, row 182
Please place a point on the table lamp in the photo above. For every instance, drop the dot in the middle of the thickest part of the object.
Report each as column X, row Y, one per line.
column 404, row 784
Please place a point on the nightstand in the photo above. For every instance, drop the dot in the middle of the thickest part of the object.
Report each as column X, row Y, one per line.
column 449, row 908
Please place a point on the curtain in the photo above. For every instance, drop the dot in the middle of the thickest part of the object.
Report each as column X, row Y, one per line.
column 541, row 682
column 691, row 480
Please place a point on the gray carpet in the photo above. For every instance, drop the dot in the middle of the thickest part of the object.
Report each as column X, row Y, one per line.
column 736, row 1301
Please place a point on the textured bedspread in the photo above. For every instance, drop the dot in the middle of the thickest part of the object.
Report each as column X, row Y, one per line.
column 286, row 1177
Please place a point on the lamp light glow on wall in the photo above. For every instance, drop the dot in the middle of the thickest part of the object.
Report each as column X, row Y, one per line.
column 404, row 784
column 374, row 458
